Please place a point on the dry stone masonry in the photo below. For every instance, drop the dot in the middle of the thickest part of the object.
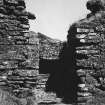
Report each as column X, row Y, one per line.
column 87, row 39
column 18, row 60
column 81, row 58
column 19, row 56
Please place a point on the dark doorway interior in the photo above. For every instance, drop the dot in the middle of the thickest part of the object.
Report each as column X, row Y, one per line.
column 55, row 81
column 61, row 81
column 63, row 77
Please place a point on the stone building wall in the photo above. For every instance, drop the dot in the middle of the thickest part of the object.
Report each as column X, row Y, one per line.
column 81, row 60
column 86, row 40
column 20, row 80
column 16, row 55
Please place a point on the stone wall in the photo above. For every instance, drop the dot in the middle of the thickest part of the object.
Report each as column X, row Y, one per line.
column 86, row 39
column 19, row 56
column 81, row 58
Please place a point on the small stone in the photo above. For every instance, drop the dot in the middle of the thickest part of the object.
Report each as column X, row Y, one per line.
column 82, row 85
column 80, row 36
column 3, row 10
column 4, row 77
column 1, row 2
column 31, row 16
column 20, row 8
column 20, row 13
column 82, row 40
column 11, row 7
column 2, row 16
column 25, row 26
column 12, row 2
column 23, row 19
column 21, row 3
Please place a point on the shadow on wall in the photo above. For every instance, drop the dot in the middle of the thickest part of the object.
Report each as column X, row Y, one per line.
column 63, row 78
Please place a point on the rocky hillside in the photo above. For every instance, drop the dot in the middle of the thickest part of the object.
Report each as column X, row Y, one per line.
column 49, row 48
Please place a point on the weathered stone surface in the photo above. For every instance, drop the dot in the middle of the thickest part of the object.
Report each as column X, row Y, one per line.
column 19, row 53
column 16, row 52
column 86, row 40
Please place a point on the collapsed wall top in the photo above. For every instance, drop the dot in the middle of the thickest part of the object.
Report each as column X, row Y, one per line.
column 96, row 5
column 15, row 7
